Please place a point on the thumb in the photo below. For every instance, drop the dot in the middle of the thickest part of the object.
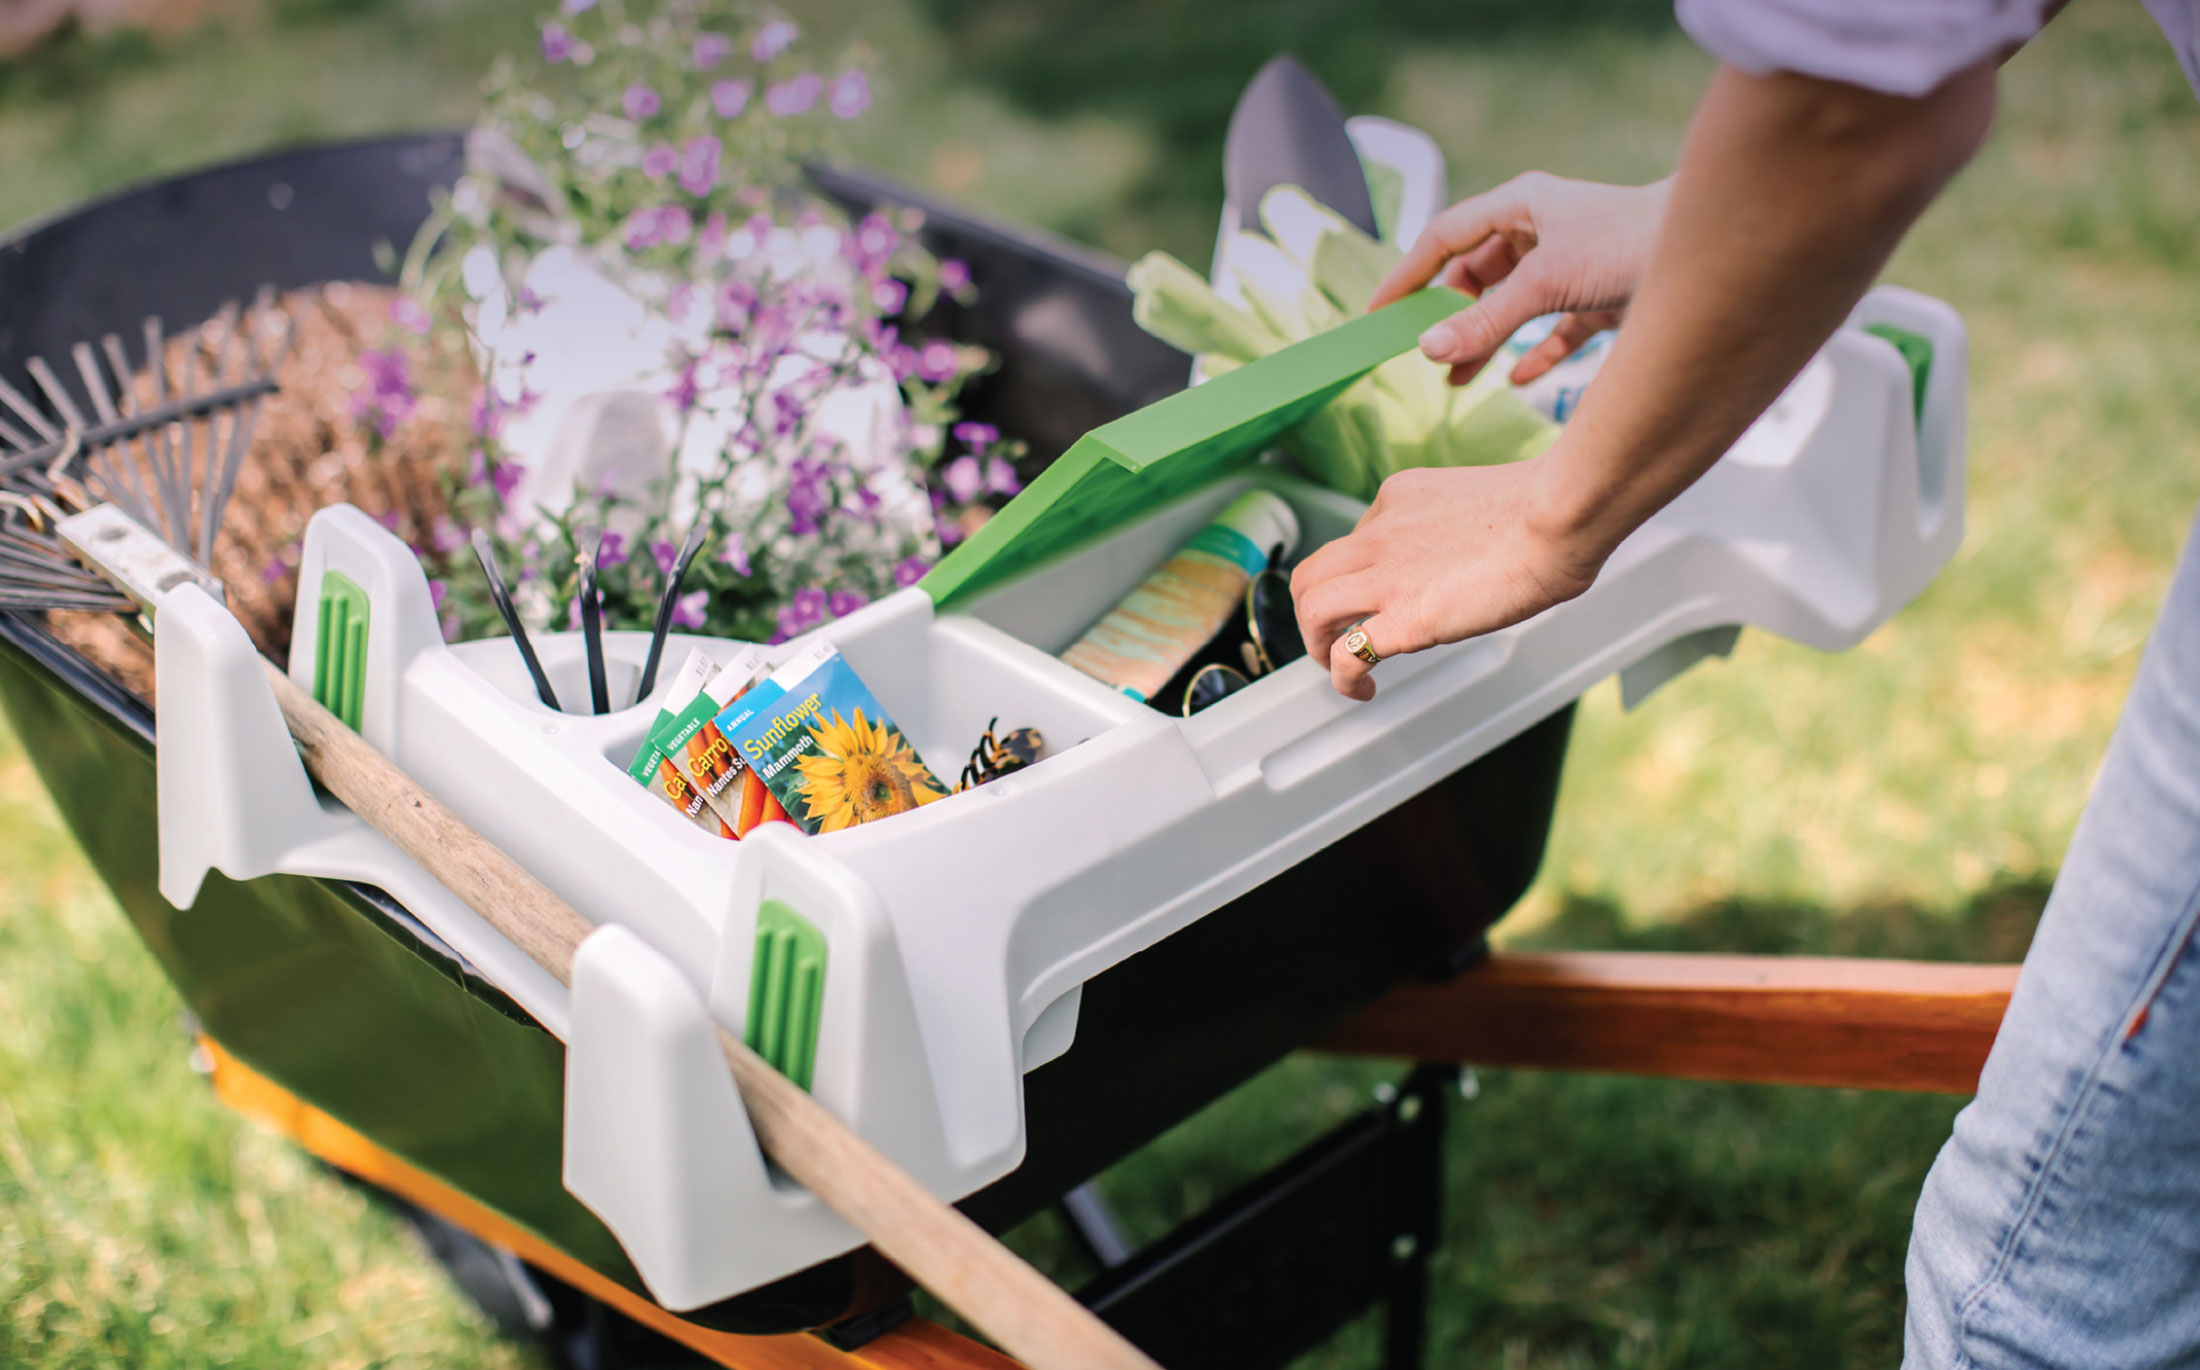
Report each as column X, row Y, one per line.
column 1469, row 337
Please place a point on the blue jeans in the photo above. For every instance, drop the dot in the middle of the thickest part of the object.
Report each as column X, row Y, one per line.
column 2060, row 1225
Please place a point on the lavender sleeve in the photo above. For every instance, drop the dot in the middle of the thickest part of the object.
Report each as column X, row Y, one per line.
column 1897, row 47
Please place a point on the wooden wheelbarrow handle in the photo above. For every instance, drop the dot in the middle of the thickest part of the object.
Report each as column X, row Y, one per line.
column 1027, row 1314
column 1840, row 1022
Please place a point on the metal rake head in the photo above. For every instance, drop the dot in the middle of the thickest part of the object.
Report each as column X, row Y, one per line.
column 163, row 442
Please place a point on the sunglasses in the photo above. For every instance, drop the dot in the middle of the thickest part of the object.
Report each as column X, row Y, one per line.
column 1270, row 640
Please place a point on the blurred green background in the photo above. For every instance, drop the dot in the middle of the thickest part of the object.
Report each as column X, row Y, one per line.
column 1910, row 798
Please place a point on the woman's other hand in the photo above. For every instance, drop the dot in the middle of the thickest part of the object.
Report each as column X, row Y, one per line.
column 1536, row 245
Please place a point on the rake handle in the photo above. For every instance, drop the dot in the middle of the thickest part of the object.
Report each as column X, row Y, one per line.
column 1027, row 1314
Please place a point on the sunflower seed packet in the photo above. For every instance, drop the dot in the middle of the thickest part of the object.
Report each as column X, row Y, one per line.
column 654, row 771
column 828, row 751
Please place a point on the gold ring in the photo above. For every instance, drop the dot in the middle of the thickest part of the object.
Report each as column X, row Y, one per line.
column 1356, row 643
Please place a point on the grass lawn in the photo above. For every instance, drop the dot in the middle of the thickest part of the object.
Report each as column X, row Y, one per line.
column 1909, row 798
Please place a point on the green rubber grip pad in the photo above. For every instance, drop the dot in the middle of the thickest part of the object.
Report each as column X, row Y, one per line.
column 1917, row 354
column 340, row 648
column 786, row 991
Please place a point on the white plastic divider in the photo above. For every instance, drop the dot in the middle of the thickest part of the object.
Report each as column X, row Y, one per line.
column 959, row 935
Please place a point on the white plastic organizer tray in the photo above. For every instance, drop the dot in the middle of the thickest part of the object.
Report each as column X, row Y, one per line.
column 942, row 988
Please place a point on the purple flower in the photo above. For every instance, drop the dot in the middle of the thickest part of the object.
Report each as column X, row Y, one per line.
column 687, row 610
column 664, row 554
column 729, row 98
column 937, row 361
column 407, row 313
column 612, row 550
column 736, row 555
column 578, row 6
column 950, row 532
column 808, row 498
column 979, row 435
column 507, row 477
column 658, row 162
column 965, row 479
column 699, row 165
column 557, row 44
column 773, row 39
column 685, row 389
column 446, row 537
column 954, row 274
column 870, row 244
column 527, row 302
column 889, row 295
column 846, row 602
column 851, row 94
column 901, row 359
column 736, row 306
column 1000, row 476
column 436, row 591
column 709, row 49
column 909, row 570
column 647, row 228
column 387, row 399
column 804, row 610
column 712, row 237
column 275, row 570
column 787, row 413
column 793, row 97
column 641, row 102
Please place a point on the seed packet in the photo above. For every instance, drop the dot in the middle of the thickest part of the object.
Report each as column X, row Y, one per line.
column 691, row 741
column 823, row 745
column 656, row 773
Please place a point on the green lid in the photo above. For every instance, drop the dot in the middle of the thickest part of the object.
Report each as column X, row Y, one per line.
column 1125, row 469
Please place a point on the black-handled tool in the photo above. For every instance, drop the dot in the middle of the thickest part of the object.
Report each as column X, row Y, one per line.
column 697, row 534
column 485, row 553
column 590, row 540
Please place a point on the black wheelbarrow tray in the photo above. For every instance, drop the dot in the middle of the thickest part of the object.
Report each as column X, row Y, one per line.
column 1289, row 859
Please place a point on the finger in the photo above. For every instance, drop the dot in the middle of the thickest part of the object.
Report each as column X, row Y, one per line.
column 1471, row 336
column 1565, row 340
column 1340, row 557
column 1479, row 268
column 1348, row 674
column 1457, row 230
column 1327, row 610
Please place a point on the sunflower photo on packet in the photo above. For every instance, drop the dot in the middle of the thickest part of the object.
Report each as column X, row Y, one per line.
column 825, row 747
column 692, row 743
column 654, row 771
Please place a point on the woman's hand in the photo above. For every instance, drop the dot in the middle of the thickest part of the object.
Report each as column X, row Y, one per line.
column 1442, row 554
column 1535, row 245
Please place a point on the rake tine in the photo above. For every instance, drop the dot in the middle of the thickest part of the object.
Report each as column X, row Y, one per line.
column 95, row 385
column 28, row 412
column 48, row 601
column 23, row 569
column 113, row 475
column 16, row 437
column 57, row 394
column 116, row 451
column 213, row 503
column 214, row 498
column 187, row 384
column 159, row 446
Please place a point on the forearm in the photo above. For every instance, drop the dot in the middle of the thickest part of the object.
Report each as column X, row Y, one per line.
column 1790, row 195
